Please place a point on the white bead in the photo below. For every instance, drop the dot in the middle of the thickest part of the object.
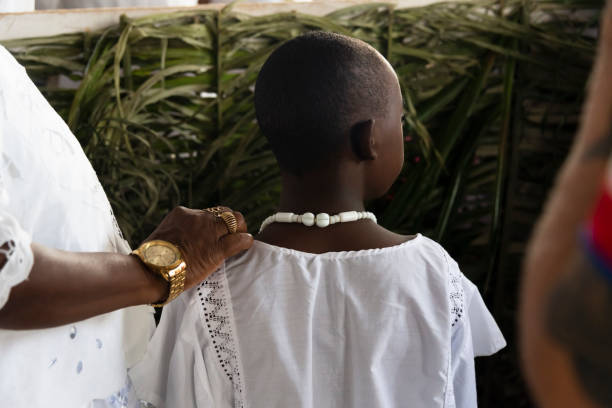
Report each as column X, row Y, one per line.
column 348, row 216
column 308, row 219
column 322, row 220
column 284, row 216
column 266, row 222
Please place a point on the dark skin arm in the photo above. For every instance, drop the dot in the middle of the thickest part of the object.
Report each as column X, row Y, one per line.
column 65, row 287
column 549, row 365
column 578, row 317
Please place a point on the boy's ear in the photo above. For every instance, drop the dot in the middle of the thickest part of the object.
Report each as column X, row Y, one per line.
column 363, row 141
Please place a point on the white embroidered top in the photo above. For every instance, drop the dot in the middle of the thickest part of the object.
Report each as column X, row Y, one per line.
column 275, row 327
column 50, row 194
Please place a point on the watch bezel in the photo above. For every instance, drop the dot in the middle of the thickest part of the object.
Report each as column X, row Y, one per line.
column 142, row 250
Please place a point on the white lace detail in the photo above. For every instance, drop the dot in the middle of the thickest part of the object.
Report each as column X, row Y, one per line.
column 121, row 398
column 456, row 295
column 19, row 257
column 218, row 319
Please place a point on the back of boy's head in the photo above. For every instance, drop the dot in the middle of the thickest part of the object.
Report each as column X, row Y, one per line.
column 312, row 90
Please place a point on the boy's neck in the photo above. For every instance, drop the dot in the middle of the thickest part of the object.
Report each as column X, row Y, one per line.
column 331, row 194
column 330, row 191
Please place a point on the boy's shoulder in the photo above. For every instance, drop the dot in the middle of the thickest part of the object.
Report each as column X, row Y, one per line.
column 415, row 251
column 435, row 252
column 460, row 289
column 408, row 245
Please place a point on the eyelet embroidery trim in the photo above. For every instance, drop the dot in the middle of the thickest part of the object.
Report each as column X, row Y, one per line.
column 121, row 398
column 456, row 295
column 18, row 255
column 218, row 320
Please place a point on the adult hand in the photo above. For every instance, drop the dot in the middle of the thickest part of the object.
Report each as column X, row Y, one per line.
column 66, row 287
column 203, row 239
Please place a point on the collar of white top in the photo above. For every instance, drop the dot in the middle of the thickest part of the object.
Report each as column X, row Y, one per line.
column 321, row 220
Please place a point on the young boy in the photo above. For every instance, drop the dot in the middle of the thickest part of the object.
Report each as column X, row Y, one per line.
column 329, row 310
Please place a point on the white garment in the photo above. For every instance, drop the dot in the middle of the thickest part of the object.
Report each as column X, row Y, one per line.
column 50, row 194
column 14, row 6
column 275, row 327
column 61, row 4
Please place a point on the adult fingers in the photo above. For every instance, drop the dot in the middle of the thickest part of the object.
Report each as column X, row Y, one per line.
column 223, row 229
column 242, row 225
column 189, row 219
column 232, row 244
column 220, row 227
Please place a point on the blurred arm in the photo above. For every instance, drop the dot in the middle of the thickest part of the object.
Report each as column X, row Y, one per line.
column 548, row 365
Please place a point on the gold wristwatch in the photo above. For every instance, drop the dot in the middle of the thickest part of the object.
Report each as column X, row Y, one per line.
column 164, row 259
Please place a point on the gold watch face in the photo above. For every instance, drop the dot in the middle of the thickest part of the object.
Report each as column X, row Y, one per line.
column 160, row 255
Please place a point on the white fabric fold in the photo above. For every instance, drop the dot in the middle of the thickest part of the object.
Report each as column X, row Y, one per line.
column 487, row 339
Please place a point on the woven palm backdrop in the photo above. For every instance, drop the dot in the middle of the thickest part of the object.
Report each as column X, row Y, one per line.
column 163, row 106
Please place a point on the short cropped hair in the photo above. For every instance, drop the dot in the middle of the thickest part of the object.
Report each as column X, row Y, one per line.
column 311, row 90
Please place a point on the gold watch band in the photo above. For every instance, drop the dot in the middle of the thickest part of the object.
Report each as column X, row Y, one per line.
column 177, row 284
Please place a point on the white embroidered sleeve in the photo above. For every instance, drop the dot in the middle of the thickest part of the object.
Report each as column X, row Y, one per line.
column 14, row 241
column 15, row 247
column 474, row 334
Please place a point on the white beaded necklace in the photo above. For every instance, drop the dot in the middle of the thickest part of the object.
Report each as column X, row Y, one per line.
column 321, row 220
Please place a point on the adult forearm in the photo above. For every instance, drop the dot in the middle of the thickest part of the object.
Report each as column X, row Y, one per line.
column 553, row 245
column 552, row 248
column 65, row 287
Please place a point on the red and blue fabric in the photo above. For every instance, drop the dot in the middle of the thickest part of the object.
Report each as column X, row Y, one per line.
column 597, row 236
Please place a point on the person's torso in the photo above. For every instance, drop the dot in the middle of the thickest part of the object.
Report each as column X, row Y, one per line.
column 54, row 193
column 365, row 328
